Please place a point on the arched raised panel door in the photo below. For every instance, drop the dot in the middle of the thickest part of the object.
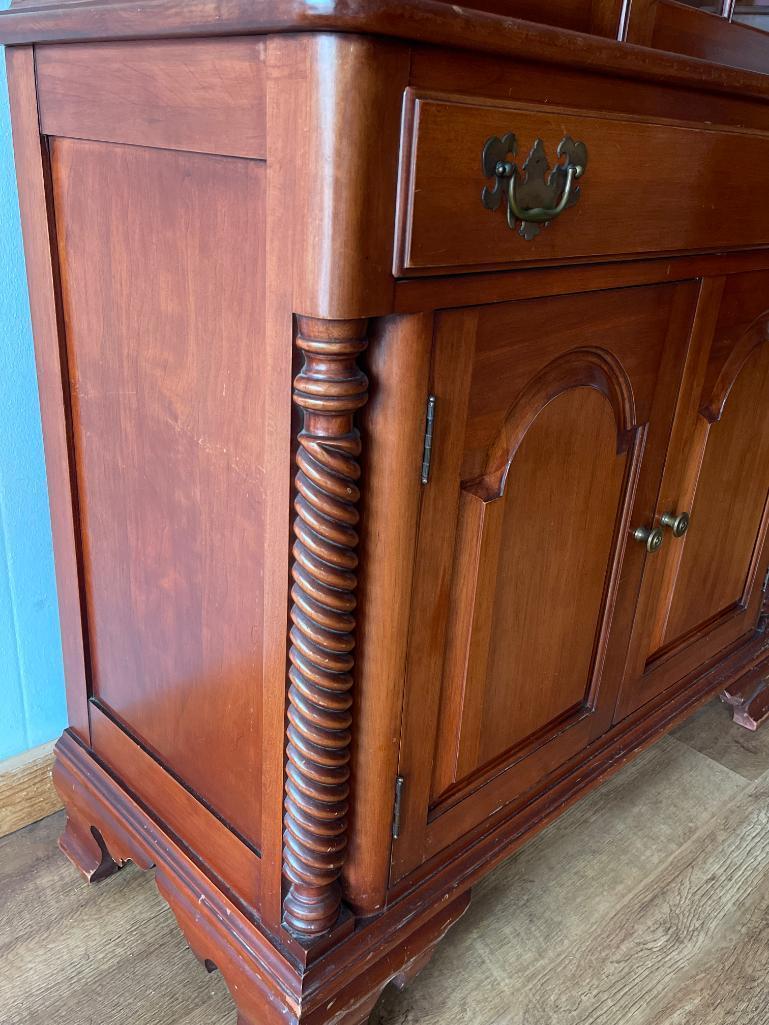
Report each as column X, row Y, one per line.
column 542, row 521
column 706, row 591
column 552, row 418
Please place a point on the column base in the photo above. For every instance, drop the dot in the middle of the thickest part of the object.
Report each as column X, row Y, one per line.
column 106, row 827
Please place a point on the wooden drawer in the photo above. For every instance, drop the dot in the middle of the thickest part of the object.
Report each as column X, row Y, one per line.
column 649, row 187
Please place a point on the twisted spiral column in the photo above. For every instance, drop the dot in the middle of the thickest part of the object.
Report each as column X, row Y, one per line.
column 329, row 390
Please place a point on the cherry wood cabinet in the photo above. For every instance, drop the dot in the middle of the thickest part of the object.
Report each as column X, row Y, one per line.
column 404, row 377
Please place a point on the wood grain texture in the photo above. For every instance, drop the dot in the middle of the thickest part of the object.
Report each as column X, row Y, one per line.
column 707, row 731
column 413, row 295
column 531, row 682
column 573, row 14
column 106, row 827
column 620, row 886
column 205, row 96
column 488, row 77
column 343, row 253
column 167, row 420
column 681, row 462
column 26, row 790
column 285, row 117
column 502, row 685
column 89, row 949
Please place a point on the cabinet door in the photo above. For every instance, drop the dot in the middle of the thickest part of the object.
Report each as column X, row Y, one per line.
column 552, row 419
column 702, row 592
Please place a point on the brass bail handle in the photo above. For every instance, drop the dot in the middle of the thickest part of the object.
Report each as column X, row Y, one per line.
column 533, row 194
column 538, row 214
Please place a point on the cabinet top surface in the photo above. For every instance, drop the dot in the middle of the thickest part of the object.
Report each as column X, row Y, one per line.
column 422, row 21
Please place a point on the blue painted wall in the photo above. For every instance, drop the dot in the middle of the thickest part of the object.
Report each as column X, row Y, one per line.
column 32, row 709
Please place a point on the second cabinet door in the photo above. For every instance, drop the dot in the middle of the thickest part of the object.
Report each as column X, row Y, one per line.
column 703, row 591
column 552, row 420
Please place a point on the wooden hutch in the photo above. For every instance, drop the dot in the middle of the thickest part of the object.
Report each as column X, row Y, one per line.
column 404, row 372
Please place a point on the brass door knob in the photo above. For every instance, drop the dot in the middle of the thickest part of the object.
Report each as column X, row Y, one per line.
column 652, row 538
column 678, row 523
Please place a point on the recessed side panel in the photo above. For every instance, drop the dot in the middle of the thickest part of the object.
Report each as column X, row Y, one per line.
column 162, row 262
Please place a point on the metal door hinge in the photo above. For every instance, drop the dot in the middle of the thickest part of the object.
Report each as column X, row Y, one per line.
column 427, row 451
column 399, row 782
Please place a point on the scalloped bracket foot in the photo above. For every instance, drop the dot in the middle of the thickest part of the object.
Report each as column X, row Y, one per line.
column 85, row 848
column 749, row 701
column 268, row 986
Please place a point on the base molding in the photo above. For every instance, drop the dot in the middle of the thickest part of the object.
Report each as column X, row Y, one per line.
column 106, row 827
column 27, row 793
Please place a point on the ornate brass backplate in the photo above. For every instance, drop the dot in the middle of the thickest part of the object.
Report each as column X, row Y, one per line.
column 534, row 197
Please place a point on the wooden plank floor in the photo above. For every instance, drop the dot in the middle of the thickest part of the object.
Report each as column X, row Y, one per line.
column 646, row 904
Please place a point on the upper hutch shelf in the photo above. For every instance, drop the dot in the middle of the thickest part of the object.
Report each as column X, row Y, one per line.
column 725, row 32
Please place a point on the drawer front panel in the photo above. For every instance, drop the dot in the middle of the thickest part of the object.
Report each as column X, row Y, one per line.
column 647, row 188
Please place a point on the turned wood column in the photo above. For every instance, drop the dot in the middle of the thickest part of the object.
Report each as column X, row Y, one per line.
column 329, row 389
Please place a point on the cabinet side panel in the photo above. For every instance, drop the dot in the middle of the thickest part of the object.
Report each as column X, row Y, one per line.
column 162, row 265
column 31, row 169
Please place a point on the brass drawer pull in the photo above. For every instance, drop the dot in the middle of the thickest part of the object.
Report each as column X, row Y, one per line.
column 651, row 537
column 678, row 522
column 532, row 194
